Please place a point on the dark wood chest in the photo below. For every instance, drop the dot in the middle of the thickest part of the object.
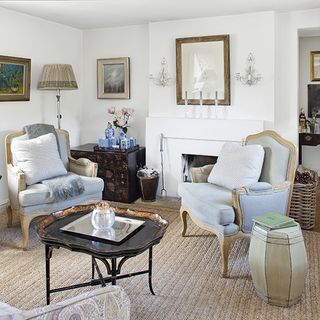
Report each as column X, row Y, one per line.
column 117, row 169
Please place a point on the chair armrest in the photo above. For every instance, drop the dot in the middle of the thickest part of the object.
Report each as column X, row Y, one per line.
column 258, row 199
column 110, row 302
column 16, row 183
column 83, row 167
column 201, row 174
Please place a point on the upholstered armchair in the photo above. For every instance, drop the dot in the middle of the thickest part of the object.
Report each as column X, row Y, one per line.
column 228, row 213
column 110, row 302
column 29, row 200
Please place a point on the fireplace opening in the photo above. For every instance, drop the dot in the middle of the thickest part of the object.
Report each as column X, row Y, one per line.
column 194, row 161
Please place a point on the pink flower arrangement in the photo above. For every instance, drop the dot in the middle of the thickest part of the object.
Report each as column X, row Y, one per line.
column 121, row 117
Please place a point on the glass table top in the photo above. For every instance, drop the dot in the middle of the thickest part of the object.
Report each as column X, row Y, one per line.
column 122, row 229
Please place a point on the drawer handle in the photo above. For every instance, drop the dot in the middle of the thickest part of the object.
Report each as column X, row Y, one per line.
column 308, row 138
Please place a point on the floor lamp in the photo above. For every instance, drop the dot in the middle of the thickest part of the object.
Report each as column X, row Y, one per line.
column 57, row 77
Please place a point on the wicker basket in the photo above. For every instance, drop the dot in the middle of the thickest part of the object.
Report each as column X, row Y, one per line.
column 303, row 203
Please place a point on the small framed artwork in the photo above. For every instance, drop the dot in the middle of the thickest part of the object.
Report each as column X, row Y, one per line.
column 113, row 78
column 313, row 99
column 14, row 79
column 315, row 65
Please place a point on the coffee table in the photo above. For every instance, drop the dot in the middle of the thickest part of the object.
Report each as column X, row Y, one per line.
column 108, row 253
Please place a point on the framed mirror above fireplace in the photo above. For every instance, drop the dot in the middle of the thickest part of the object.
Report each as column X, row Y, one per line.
column 203, row 70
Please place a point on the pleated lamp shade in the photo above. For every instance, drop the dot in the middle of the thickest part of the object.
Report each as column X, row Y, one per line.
column 57, row 77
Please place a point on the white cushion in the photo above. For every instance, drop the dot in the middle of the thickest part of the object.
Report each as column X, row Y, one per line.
column 237, row 166
column 38, row 158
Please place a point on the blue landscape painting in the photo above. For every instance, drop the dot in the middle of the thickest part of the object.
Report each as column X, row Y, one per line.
column 113, row 78
column 11, row 78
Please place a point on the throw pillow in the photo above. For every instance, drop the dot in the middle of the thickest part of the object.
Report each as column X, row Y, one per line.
column 237, row 166
column 38, row 158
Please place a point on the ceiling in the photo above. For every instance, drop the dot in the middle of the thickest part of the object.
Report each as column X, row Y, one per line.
column 84, row 14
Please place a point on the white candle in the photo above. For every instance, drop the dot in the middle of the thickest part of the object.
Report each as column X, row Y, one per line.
column 186, row 98
column 201, row 98
column 216, row 99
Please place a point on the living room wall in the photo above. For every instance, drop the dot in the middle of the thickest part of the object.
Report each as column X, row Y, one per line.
column 44, row 42
column 248, row 33
column 311, row 155
column 287, row 26
column 104, row 43
column 273, row 38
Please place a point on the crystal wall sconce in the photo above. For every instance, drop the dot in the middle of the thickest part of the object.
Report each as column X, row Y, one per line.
column 163, row 79
column 250, row 77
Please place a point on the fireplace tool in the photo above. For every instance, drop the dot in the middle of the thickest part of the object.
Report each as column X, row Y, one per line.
column 163, row 191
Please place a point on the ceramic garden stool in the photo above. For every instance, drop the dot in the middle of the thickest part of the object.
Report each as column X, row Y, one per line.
column 278, row 264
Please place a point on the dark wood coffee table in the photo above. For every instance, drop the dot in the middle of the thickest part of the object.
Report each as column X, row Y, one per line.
column 108, row 253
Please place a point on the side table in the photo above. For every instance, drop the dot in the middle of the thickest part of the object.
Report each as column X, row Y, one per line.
column 117, row 169
column 307, row 139
column 278, row 264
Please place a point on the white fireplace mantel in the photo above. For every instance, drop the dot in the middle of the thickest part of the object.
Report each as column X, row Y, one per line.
column 191, row 136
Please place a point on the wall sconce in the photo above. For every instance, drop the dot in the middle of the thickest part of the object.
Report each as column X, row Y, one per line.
column 163, row 79
column 251, row 77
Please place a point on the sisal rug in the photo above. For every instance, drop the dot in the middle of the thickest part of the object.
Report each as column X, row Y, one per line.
column 186, row 278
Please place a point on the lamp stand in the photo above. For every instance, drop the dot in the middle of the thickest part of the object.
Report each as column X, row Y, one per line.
column 58, row 96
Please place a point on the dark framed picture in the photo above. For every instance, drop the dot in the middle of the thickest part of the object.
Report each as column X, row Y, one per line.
column 313, row 99
column 14, row 79
column 113, row 78
column 315, row 65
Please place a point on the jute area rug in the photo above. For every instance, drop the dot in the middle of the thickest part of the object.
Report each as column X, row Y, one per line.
column 186, row 278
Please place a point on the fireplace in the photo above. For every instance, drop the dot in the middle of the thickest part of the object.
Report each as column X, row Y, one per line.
column 191, row 137
column 194, row 161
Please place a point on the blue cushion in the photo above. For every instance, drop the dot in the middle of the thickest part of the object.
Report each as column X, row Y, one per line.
column 256, row 204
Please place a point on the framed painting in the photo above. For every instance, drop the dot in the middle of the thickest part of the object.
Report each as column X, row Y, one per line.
column 313, row 99
column 203, row 68
column 315, row 65
column 113, row 78
column 14, row 79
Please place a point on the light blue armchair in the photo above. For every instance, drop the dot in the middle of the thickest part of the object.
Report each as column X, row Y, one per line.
column 30, row 201
column 228, row 213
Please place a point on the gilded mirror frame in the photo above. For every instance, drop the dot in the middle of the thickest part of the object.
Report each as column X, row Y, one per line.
column 226, row 67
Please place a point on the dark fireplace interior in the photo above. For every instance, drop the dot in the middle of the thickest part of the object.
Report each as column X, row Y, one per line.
column 194, row 160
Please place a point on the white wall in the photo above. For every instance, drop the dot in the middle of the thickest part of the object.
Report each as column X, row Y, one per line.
column 44, row 42
column 306, row 45
column 111, row 43
column 311, row 155
column 286, row 66
column 248, row 33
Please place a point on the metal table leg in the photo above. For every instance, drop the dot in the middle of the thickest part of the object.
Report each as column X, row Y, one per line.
column 48, row 255
column 150, row 271
column 114, row 271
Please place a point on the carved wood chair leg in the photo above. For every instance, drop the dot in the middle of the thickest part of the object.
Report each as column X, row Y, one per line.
column 183, row 215
column 25, row 223
column 225, row 243
column 9, row 214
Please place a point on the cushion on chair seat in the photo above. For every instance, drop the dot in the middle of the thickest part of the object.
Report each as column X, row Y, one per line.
column 210, row 205
column 40, row 194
